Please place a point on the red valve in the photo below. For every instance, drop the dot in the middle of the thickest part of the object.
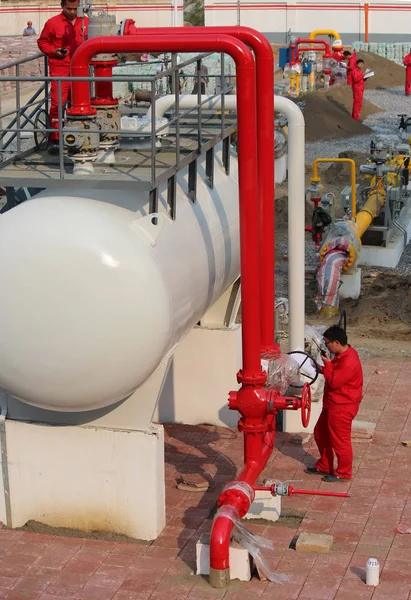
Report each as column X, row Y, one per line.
column 306, row 405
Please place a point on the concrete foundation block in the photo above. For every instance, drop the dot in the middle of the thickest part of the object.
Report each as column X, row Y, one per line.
column 86, row 478
column 240, row 563
column 363, row 430
column 292, row 419
column 351, row 284
column 265, row 506
column 314, row 542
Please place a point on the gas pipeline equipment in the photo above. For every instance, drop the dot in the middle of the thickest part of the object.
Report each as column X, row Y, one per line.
column 308, row 64
column 375, row 215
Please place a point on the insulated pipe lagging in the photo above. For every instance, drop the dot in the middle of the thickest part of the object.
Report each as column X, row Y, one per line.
column 247, row 150
column 265, row 144
column 296, row 198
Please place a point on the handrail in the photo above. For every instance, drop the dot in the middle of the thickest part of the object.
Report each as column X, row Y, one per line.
column 316, row 179
column 16, row 63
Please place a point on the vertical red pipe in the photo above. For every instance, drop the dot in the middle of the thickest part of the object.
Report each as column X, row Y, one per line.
column 265, row 152
column 247, row 151
column 103, row 90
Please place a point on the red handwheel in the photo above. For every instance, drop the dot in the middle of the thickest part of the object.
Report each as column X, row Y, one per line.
column 306, row 405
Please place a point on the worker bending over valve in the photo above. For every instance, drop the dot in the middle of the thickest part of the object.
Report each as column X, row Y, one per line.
column 60, row 38
column 407, row 63
column 342, row 396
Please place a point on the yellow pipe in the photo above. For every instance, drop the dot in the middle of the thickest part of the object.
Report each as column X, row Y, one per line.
column 315, row 178
column 330, row 32
column 369, row 211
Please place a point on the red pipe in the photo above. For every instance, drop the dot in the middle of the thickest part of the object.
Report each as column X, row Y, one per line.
column 318, row 42
column 264, row 62
column 293, row 491
column 103, row 90
column 304, row 49
column 251, row 373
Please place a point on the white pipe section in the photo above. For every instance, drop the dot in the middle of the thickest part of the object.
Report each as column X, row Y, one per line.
column 190, row 101
column 296, row 197
column 296, row 219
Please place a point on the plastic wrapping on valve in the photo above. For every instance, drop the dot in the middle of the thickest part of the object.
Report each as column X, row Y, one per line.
column 281, row 370
column 254, row 544
column 340, row 236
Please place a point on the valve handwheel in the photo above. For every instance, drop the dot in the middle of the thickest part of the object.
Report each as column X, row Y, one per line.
column 306, row 405
column 308, row 359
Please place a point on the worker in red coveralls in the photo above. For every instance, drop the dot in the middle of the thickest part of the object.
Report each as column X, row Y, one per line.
column 407, row 63
column 342, row 396
column 352, row 61
column 357, row 89
column 60, row 38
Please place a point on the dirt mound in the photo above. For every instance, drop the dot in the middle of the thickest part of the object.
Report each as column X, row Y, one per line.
column 340, row 173
column 327, row 119
column 384, row 308
column 281, row 212
column 342, row 94
column 387, row 73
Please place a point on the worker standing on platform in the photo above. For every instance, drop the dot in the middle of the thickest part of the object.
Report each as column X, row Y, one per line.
column 407, row 63
column 60, row 38
column 342, row 396
column 357, row 89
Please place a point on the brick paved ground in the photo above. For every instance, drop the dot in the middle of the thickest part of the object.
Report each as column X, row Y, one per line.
column 41, row 567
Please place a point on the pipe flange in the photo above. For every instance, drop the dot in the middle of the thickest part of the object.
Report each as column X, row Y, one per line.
column 236, row 497
column 251, row 427
column 254, row 379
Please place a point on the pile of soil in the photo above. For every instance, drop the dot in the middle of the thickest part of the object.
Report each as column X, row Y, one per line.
column 387, row 73
column 342, row 95
column 384, row 308
column 340, row 173
column 281, row 213
column 327, row 119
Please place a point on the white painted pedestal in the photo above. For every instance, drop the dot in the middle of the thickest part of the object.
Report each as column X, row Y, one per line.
column 87, row 478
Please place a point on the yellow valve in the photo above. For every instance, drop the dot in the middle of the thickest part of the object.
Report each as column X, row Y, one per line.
column 330, row 32
column 315, row 178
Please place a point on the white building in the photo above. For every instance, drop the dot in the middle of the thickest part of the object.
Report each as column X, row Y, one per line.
column 388, row 21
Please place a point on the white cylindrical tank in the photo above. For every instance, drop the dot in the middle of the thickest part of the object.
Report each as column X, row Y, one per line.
column 94, row 295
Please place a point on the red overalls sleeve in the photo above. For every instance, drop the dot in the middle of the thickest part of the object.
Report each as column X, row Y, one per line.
column 407, row 60
column 44, row 41
column 336, row 376
column 357, row 76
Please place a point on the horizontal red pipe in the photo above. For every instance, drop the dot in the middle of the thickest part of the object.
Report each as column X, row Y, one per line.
column 317, row 493
column 247, row 154
column 304, row 49
column 317, row 42
column 265, row 150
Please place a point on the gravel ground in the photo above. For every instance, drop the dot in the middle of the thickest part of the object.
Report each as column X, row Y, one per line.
column 392, row 101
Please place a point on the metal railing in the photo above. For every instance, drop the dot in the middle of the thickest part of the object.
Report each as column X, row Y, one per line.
column 23, row 116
